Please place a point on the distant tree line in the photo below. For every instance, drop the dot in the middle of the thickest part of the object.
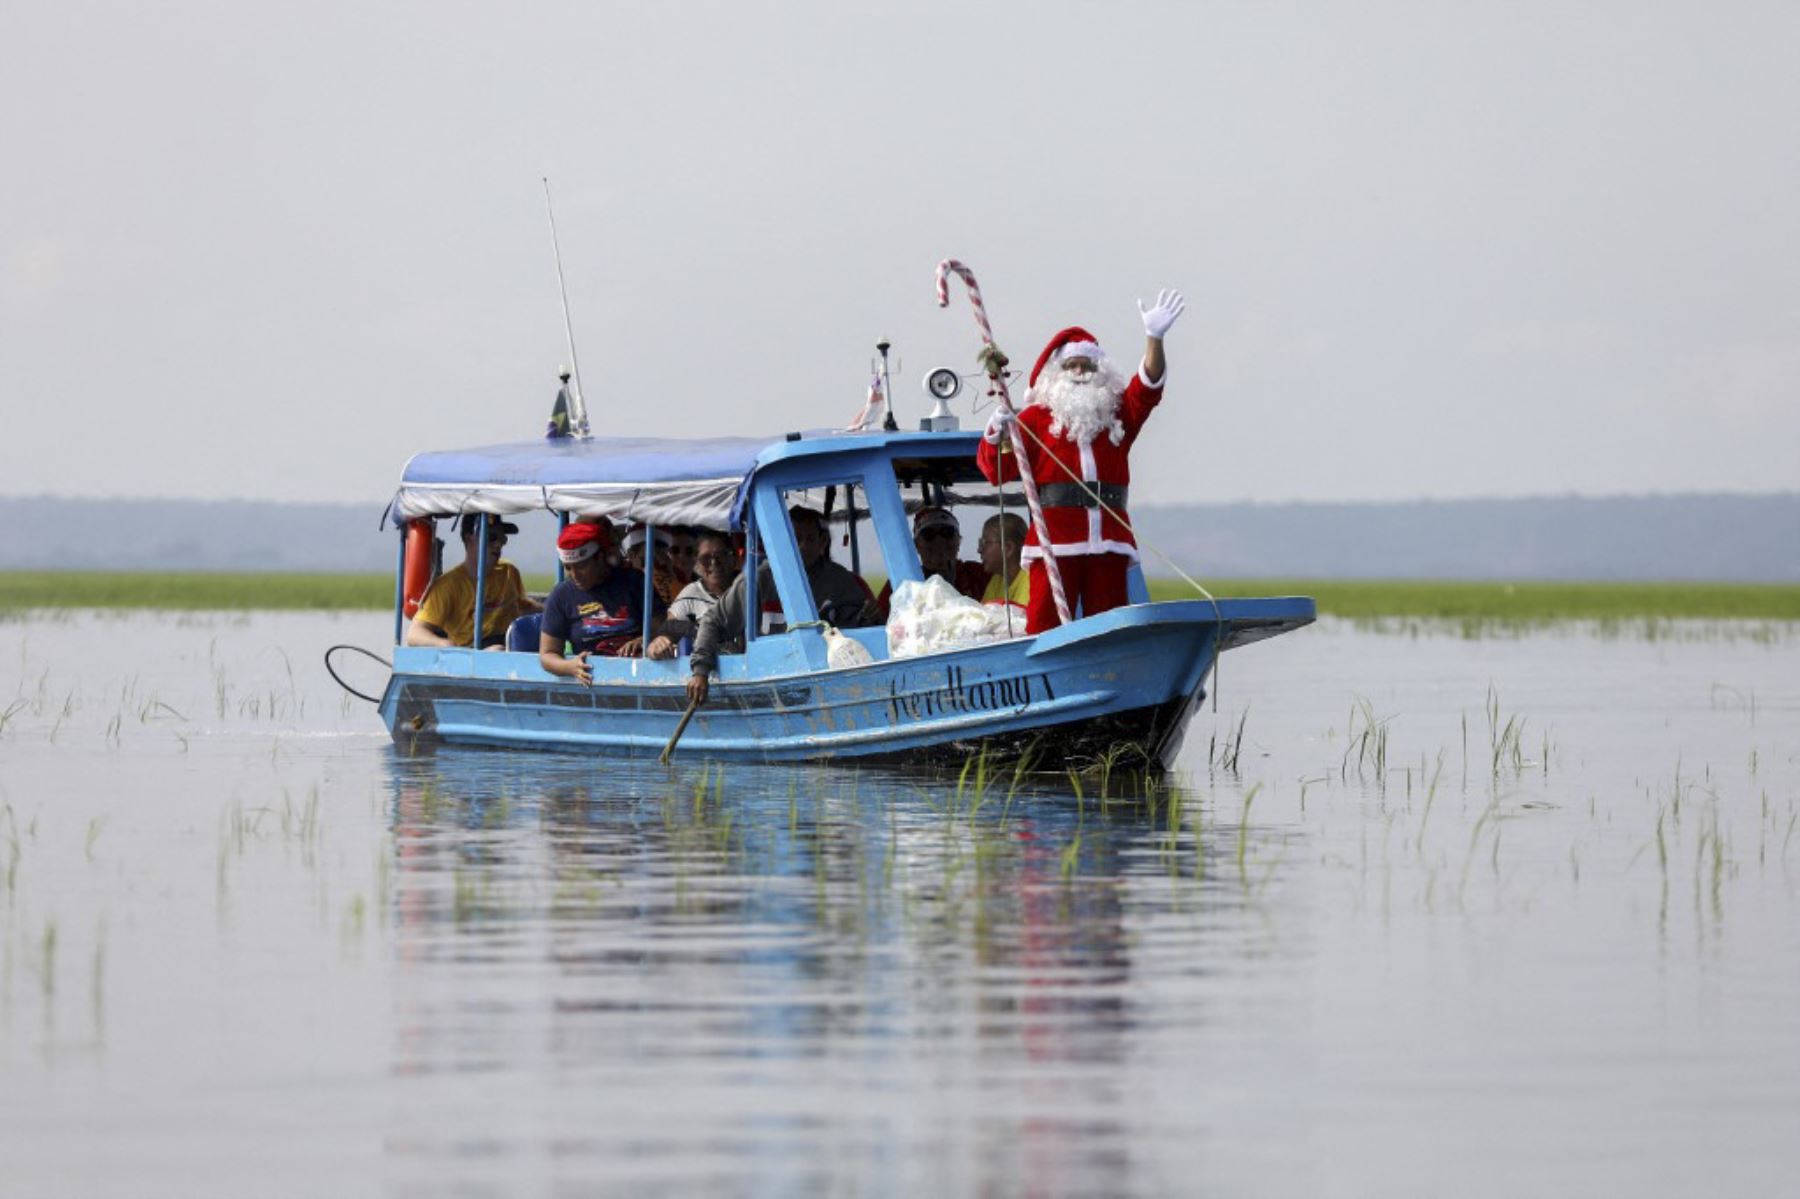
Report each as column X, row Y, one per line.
column 1746, row 538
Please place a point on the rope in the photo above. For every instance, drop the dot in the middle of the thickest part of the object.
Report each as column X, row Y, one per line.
column 995, row 364
column 346, row 686
column 1005, row 583
column 1050, row 559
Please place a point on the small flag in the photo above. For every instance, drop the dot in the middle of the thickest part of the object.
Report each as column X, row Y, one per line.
column 559, row 416
column 866, row 419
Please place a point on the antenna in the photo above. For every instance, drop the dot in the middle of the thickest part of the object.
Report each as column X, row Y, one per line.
column 578, row 420
column 887, row 387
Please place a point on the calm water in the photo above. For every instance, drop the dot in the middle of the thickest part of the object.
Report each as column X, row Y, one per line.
column 1468, row 917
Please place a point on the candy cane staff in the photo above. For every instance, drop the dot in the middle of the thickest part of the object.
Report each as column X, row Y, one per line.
column 1082, row 418
column 995, row 363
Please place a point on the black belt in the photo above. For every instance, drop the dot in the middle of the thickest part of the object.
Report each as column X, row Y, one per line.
column 1081, row 495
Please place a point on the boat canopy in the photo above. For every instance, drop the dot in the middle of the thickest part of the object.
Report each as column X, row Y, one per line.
column 662, row 480
column 657, row 479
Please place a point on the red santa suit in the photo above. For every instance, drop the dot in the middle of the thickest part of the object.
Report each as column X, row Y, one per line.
column 1093, row 548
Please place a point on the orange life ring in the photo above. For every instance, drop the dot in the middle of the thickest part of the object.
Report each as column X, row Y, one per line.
column 421, row 536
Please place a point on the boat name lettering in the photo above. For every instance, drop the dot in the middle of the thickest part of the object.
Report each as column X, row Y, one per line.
column 958, row 695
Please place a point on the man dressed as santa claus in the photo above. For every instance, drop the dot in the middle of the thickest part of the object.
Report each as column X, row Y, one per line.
column 1080, row 420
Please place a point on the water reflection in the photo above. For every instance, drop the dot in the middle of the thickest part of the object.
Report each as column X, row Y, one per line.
column 1545, row 886
column 759, row 942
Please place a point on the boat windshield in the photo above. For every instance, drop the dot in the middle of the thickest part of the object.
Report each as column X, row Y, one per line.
column 881, row 552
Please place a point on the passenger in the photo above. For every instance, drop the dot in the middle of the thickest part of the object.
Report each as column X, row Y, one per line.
column 682, row 542
column 446, row 615
column 937, row 535
column 840, row 596
column 716, row 564
column 668, row 586
column 598, row 609
column 1002, row 542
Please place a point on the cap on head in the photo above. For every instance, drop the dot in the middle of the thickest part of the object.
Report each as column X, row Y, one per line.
column 1073, row 342
column 471, row 525
column 934, row 518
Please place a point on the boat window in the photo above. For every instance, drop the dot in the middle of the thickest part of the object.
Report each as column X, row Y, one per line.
column 951, row 481
column 846, row 508
column 957, row 484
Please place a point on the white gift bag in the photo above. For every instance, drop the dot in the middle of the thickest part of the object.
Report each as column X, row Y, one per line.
column 929, row 617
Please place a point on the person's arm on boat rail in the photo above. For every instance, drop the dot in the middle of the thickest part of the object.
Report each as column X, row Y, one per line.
column 715, row 629
column 550, row 657
column 553, row 637
column 560, row 614
column 430, row 624
column 663, row 639
column 705, row 655
column 418, row 633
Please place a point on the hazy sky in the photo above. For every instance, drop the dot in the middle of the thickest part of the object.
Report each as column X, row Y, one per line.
column 1430, row 249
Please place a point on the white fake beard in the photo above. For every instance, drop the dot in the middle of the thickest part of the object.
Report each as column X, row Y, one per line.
column 1081, row 409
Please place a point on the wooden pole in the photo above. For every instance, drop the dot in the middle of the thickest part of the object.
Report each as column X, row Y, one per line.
column 669, row 749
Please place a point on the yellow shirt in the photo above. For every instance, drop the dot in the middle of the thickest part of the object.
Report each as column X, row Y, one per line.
column 449, row 603
column 1019, row 593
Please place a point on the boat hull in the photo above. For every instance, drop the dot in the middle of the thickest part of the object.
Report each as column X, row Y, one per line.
column 1121, row 683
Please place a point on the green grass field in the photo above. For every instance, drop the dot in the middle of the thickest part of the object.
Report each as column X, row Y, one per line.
column 227, row 591
column 1504, row 603
column 1523, row 602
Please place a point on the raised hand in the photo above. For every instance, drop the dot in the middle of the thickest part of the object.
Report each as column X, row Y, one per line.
column 1160, row 315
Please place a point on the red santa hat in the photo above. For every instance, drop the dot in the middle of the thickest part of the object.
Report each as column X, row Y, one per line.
column 1073, row 342
column 579, row 542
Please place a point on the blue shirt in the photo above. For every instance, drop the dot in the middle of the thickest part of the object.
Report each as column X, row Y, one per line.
column 602, row 620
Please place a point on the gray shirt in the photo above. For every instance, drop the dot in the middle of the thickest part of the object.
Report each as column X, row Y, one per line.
column 685, row 612
column 839, row 595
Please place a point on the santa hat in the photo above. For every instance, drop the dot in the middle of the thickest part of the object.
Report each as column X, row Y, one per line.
column 637, row 534
column 1073, row 342
column 579, row 542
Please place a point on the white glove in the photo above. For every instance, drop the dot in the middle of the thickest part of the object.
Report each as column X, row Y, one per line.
column 1159, row 316
column 996, row 426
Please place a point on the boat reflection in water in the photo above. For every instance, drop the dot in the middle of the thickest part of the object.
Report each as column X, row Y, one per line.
column 681, row 977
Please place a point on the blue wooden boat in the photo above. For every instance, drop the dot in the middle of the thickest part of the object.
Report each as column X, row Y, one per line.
column 1124, row 680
